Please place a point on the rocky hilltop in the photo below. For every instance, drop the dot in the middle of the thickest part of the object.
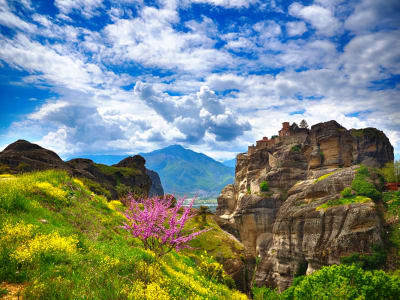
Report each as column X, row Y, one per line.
column 129, row 175
column 286, row 224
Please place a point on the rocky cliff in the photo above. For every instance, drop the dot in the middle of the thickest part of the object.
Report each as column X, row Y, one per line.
column 129, row 175
column 287, row 225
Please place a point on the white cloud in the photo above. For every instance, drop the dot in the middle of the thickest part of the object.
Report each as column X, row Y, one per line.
column 220, row 106
column 151, row 40
column 85, row 7
column 228, row 3
column 372, row 57
column 319, row 17
column 194, row 114
column 295, row 28
column 369, row 14
column 9, row 19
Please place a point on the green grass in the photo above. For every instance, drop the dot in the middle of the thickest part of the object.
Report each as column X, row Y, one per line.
column 344, row 201
column 64, row 242
column 112, row 171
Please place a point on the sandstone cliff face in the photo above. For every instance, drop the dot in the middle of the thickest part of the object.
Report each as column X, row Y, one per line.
column 283, row 226
column 130, row 173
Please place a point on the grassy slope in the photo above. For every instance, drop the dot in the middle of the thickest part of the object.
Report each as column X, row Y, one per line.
column 64, row 242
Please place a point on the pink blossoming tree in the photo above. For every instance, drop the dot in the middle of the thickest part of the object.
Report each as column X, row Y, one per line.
column 159, row 224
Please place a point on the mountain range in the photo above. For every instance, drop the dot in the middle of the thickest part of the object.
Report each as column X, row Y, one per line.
column 182, row 171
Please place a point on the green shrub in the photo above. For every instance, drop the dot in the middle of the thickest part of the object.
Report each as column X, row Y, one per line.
column 363, row 171
column 344, row 282
column 346, row 193
column 264, row 186
column 264, row 293
column 295, row 148
column 365, row 188
column 362, row 186
column 391, row 171
column 376, row 260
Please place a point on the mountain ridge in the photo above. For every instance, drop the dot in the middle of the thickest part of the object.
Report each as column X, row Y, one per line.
column 186, row 172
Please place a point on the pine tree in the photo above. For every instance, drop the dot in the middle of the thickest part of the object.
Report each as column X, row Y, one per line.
column 303, row 124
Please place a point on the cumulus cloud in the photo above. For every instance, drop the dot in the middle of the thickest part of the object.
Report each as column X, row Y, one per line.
column 295, row 28
column 77, row 123
column 151, row 40
column 366, row 56
column 370, row 14
column 321, row 18
column 194, row 114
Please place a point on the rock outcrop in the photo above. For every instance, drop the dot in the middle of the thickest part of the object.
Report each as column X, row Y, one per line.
column 23, row 156
column 284, row 226
column 156, row 188
column 129, row 175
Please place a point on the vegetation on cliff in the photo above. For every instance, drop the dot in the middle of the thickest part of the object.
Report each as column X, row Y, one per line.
column 61, row 241
column 337, row 282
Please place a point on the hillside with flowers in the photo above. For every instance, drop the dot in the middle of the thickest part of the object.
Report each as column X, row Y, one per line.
column 59, row 240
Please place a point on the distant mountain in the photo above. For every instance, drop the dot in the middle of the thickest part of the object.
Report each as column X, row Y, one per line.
column 185, row 172
column 230, row 163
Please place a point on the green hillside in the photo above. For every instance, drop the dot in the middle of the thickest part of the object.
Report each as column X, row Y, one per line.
column 58, row 240
column 183, row 171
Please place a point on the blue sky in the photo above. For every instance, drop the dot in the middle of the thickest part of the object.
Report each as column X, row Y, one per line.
column 114, row 77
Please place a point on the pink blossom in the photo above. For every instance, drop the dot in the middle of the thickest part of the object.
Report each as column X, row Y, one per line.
column 159, row 224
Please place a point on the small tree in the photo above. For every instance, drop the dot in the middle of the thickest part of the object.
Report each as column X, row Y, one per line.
column 391, row 171
column 264, row 186
column 159, row 224
column 303, row 124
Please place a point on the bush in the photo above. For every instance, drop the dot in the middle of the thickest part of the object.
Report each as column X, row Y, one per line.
column 362, row 186
column 391, row 171
column 346, row 193
column 344, row 282
column 365, row 188
column 376, row 260
column 264, row 293
column 264, row 186
column 295, row 148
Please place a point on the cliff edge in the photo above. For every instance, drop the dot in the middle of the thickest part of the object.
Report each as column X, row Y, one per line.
column 284, row 204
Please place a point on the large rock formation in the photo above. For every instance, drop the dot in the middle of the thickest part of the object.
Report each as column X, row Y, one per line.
column 156, row 188
column 130, row 174
column 283, row 226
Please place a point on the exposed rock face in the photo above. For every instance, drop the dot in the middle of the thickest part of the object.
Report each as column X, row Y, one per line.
column 283, row 225
column 156, row 188
column 130, row 173
column 24, row 156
